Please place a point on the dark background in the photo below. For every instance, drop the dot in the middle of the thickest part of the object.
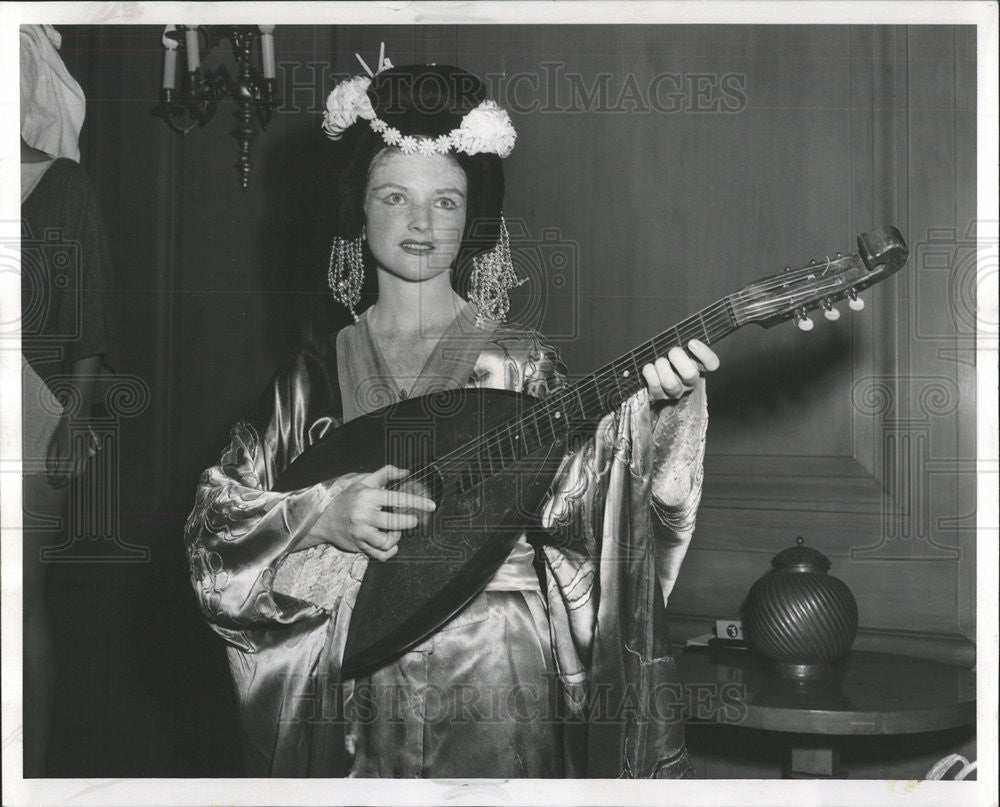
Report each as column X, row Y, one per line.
column 840, row 129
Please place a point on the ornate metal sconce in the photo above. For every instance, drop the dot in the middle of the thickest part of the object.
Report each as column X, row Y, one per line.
column 201, row 91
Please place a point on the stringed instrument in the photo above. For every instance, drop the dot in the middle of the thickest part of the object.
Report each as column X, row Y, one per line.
column 488, row 457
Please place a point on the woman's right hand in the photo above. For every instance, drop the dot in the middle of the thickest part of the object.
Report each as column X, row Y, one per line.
column 355, row 519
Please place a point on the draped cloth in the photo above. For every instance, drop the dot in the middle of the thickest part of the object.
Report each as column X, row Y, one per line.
column 53, row 106
column 624, row 506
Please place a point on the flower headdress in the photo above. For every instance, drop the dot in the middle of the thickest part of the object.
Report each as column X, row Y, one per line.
column 484, row 130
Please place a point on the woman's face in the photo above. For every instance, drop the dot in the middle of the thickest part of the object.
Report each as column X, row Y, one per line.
column 415, row 209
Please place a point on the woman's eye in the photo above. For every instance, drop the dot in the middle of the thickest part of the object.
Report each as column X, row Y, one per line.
column 447, row 204
column 395, row 199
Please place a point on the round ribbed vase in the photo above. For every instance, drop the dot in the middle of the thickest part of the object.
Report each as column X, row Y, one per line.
column 798, row 615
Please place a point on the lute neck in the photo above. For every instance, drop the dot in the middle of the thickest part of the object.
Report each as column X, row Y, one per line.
column 592, row 397
column 584, row 402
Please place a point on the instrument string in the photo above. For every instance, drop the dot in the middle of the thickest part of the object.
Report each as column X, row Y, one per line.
column 789, row 278
column 593, row 393
column 710, row 325
column 543, row 415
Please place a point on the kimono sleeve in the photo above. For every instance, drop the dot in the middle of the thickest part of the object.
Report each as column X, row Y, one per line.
column 667, row 442
column 240, row 530
column 679, row 455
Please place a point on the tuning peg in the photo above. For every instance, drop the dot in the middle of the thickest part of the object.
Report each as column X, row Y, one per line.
column 854, row 302
column 803, row 322
column 830, row 312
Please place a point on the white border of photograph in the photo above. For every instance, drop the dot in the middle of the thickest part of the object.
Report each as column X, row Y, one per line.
column 104, row 792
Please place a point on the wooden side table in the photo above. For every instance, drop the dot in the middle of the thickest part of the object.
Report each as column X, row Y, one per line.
column 865, row 694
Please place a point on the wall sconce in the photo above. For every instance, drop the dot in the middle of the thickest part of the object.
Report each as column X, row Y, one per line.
column 195, row 102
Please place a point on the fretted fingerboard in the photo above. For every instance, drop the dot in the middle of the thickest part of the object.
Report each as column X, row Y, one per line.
column 582, row 403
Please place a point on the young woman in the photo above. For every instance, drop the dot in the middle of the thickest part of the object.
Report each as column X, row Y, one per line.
column 506, row 688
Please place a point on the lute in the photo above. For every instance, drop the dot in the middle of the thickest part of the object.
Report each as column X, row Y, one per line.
column 487, row 457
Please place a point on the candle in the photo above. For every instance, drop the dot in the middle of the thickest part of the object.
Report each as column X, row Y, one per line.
column 267, row 49
column 169, row 59
column 191, row 40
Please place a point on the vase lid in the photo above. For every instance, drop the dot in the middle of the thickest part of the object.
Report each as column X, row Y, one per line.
column 801, row 558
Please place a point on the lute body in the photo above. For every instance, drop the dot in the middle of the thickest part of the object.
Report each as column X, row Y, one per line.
column 487, row 457
column 445, row 561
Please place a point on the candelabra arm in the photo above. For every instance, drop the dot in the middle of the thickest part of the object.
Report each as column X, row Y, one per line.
column 203, row 90
column 171, row 111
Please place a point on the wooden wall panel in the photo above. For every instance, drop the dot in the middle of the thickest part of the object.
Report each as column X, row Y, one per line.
column 891, row 520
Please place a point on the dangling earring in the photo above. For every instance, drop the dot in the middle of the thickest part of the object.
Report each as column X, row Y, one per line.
column 346, row 272
column 492, row 277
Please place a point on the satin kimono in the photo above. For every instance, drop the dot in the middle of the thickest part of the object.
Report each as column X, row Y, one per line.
column 561, row 667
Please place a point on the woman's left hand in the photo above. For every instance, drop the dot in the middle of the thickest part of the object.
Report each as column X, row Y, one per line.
column 667, row 379
column 673, row 377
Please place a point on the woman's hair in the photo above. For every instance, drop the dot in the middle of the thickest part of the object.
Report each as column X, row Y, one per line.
column 429, row 101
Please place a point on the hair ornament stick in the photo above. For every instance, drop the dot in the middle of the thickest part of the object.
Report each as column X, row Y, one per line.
column 382, row 64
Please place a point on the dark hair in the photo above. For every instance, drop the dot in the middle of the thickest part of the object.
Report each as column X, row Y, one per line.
column 425, row 100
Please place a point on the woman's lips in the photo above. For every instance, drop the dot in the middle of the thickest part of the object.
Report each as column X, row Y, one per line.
column 417, row 247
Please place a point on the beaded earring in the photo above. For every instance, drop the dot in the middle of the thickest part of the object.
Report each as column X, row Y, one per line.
column 346, row 272
column 492, row 278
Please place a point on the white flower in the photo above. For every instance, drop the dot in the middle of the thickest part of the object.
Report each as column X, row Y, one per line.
column 365, row 109
column 345, row 103
column 487, row 128
column 426, row 147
